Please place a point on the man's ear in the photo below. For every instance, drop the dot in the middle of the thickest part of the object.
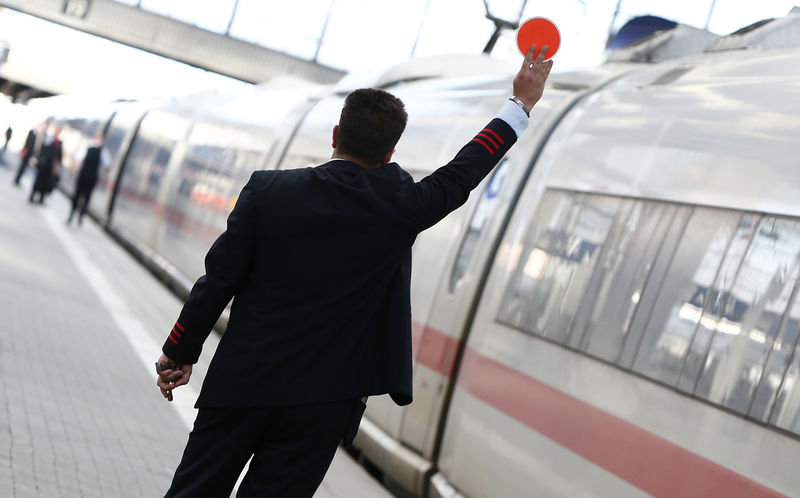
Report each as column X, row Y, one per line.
column 388, row 157
column 335, row 135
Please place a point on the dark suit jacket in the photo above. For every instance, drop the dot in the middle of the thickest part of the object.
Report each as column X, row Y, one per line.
column 87, row 177
column 318, row 262
column 30, row 144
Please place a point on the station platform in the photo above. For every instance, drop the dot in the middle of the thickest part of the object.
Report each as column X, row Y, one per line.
column 81, row 325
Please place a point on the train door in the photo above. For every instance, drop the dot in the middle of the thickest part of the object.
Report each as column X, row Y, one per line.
column 440, row 337
column 119, row 135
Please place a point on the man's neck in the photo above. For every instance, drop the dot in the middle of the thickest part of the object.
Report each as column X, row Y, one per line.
column 360, row 162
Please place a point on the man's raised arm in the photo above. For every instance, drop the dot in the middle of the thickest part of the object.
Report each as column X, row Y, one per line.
column 448, row 187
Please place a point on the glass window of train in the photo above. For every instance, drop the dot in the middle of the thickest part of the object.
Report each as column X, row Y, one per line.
column 770, row 395
column 714, row 301
column 530, row 256
column 139, row 156
column 684, row 292
column 92, row 128
column 621, row 274
column 751, row 317
column 114, row 138
column 556, row 261
column 481, row 215
column 145, row 166
column 786, row 410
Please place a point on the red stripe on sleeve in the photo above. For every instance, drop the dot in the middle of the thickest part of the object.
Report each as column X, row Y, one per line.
column 178, row 324
column 495, row 135
column 487, row 137
column 178, row 334
column 484, row 144
column 172, row 339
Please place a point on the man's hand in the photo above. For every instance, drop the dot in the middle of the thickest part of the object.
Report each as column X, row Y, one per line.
column 171, row 375
column 529, row 81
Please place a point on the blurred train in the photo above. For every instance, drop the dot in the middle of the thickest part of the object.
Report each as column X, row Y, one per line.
column 615, row 310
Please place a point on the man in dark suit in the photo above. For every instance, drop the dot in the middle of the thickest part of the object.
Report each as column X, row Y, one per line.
column 94, row 157
column 318, row 263
column 48, row 162
column 26, row 155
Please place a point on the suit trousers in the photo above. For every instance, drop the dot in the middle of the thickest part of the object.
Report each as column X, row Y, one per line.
column 291, row 448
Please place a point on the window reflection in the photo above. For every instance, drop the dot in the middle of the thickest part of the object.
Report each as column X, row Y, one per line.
column 751, row 316
column 556, row 262
column 632, row 249
column 668, row 340
column 786, row 411
column 783, row 348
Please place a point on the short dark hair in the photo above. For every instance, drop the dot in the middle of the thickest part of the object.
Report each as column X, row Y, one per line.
column 371, row 124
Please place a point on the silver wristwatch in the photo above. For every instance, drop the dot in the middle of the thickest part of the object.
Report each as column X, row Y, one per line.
column 521, row 104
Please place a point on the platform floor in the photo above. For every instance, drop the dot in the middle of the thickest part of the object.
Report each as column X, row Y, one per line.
column 81, row 325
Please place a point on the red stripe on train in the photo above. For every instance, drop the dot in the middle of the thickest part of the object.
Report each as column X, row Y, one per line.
column 643, row 459
column 436, row 351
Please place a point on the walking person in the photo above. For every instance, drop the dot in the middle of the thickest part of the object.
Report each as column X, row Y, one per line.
column 95, row 157
column 26, row 155
column 48, row 161
column 318, row 263
column 9, row 131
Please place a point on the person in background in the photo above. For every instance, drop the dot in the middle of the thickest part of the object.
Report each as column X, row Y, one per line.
column 94, row 157
column 318, row 263
column 9, row 131
column 48, row 161
column 26, row 154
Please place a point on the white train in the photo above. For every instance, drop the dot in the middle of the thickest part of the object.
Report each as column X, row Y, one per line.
column 614, row 312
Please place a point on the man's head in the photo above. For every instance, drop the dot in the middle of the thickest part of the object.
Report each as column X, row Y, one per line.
column 370, row 126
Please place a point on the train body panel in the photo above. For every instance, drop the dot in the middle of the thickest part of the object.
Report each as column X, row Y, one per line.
column 682, row 121
column 486, row 462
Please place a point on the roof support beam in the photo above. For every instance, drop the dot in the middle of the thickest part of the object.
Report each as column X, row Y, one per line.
column 175, row 39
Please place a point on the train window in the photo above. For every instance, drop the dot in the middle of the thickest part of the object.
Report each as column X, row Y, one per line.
column 722, row 324
column 667, row 342
column 751, row 315
column 480, row 216
column 554, row 264
column 533, row 250
column 114, row 138
column 785, row 412
column 145, row 166
column 776, row 384
column 621, row 274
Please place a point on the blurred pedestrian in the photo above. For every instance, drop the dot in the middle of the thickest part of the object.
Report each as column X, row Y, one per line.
column 9, row 131
column 49, row 162
column 321, row 314
column 26, row 154
column 94, row 157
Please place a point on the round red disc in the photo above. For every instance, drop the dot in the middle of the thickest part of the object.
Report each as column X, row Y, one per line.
column 538, row 31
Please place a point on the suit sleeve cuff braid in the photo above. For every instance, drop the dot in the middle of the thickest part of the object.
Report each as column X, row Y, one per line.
column 515, row 117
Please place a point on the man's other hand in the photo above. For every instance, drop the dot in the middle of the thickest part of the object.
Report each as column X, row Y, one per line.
column 171, row 375
column 531, row 78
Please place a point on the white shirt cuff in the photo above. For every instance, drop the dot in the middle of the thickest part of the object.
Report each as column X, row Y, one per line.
column 515, row 117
